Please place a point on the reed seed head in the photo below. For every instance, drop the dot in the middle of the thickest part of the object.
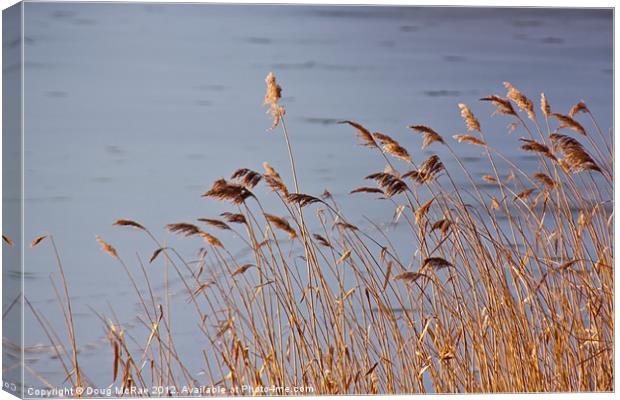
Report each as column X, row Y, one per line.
column 520, row 100
column 470, row 120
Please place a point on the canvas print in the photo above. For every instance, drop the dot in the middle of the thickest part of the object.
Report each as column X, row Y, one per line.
column 226, row 200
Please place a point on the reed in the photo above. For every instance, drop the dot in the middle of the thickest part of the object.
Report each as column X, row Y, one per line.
column 507, row 289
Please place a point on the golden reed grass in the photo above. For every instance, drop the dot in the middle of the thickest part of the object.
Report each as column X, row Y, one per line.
column 506, row 287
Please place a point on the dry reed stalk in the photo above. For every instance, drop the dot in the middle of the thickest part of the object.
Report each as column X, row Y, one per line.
column 347, row 329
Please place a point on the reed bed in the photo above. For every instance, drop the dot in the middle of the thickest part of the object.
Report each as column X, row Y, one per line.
column 508, row 289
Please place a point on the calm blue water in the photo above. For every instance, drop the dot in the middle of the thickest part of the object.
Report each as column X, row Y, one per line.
column 131, row 111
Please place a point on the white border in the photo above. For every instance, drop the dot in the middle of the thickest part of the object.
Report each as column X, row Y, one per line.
column 477, row 3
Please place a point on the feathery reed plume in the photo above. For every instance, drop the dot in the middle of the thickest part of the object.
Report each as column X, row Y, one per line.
column 38, row 240
column 274, row 181
column 212, row 240
column 436, row 262
column 443, row 225
column 390, row 183
column 502, row 106
column 128, row 222
column 569, row 122
column 495, row 203
column 322, row 241
column 225, row 191
column 577, row 108
column 394, row 187
column 384, row 139
column 362, row 133
column 520, row 100
column 215, row 223
column 524, row 195
column 536, row 147
column 470, row 120
column 282, row 224
column 156, row 253
column 388, row 272
column 489, row 179
column 276, row 185
column 544, row 105
column 346, row 226
column 565, row 165
column 242, row 269
column 392, row 147
column 422, row 211
column 408, row 276
column 234, row 218
column 106, row 247
column 430, row 136
column 397, row 151
column 576, row 157
column 428, row 170
column 8, row 240
column 183, row 228
column 469, row 139
column 302, row 200
column 203, row 286
column 269, row 170
column 382, row 178
column 272, row 98
column 366, row 190
column 544, row 179
column 247, row 177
